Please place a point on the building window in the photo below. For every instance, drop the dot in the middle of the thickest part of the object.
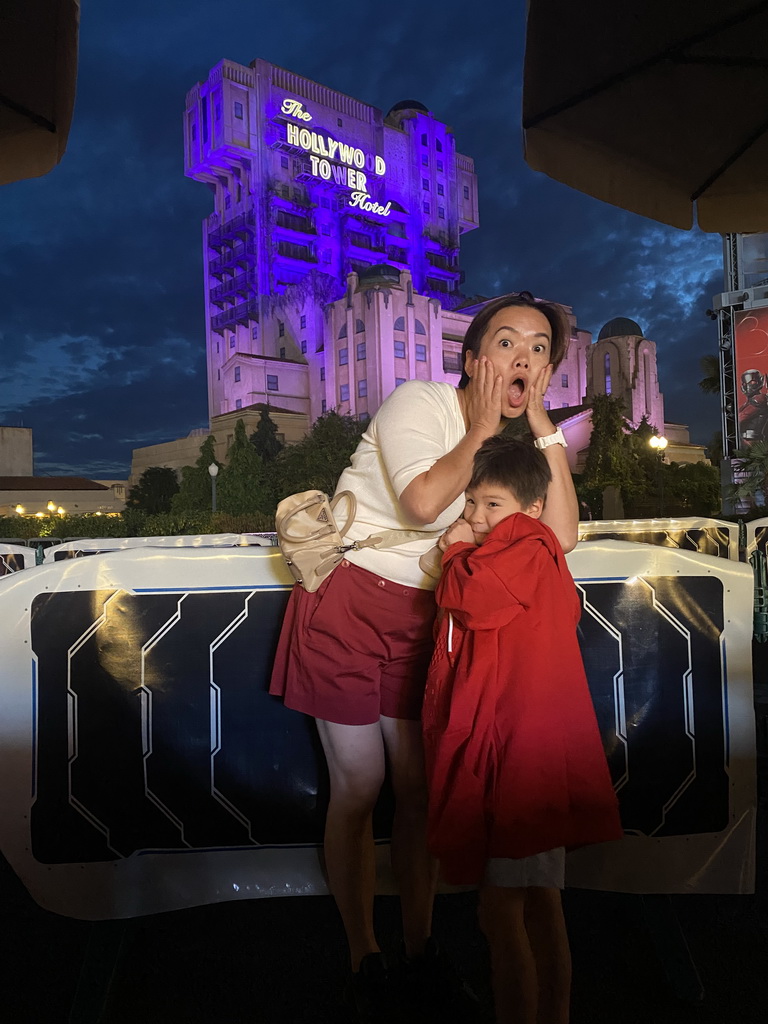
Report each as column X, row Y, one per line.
column 272, row 384
column 303, row 322
column 218, row 375
column 425, row 207
column 323, row 406
column 298, row 195
column 424, row 139
column 399, row 350
column 421, row 353
column 566, row 405
column 400, row 323
column 440, row 189
column 217, row 111
column 563, row 380
column 546, row 403
column 344, row 392
column 254, row 333
column 281, row 328
column 438, row 146
column 238, row 403
column 343, row 356
column 322, row 373
column 419, row 327
column 425, row 184
column 238, row 110
column 439, row 165
column 217, row 347
column 441, row 212
column 232, row 341
column 284, row 162
column 342, row 331
column 284, row 191
column 282, row 351
column 339, row 122
column 303, row 348
column 399, row 381
column 425, row 159
column 607, row 369
column 466, row 191
column 359, row 327
column 361, row 350
column 325, row 229
column 362, row 388
column 227, row 202
column 237, row 374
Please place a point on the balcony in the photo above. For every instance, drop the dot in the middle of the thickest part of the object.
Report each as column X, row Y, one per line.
column 442, row 262
column 219, row 235
column 236, row 285
column 241, row 253
column 242, row 314
column 306, row 253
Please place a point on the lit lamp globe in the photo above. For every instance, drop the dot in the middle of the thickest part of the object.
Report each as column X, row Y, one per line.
column 60, row 511
column 659, row 443
column 51, row 506
column 20, row 510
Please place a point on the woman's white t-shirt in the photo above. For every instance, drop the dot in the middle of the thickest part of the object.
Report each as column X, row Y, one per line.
column 418, row 423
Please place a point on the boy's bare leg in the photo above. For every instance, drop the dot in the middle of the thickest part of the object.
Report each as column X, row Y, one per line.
column 513, row 968
column 414, row 869
column 355, row 756
column 548, row 937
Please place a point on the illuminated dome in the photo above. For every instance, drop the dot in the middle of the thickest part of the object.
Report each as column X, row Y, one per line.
column 409, row 105
column 621, row 327
column 381, row 275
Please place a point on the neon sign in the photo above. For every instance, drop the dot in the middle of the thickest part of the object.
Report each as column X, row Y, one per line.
column 331, row 160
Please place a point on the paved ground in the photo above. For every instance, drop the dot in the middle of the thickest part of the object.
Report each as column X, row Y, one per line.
column 280, row 961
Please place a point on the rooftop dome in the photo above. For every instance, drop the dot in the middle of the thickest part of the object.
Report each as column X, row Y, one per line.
column 408, row 105
column 381, row 275
column 621, row 327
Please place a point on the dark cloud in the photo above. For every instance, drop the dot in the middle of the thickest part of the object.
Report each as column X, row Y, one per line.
column 102, row 319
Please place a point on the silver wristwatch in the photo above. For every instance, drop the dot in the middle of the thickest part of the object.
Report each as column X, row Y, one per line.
column 556, row 438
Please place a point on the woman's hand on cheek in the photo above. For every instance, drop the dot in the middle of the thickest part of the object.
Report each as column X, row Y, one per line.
column 538, row 417
column 483, row 397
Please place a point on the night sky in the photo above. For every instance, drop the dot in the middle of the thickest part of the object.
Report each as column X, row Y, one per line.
column 101, row 321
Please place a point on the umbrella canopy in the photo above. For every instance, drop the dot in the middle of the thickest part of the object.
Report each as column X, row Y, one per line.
column 653, row 106
column 38, row 68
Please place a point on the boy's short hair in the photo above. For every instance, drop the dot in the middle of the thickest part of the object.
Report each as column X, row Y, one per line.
column 518, row 467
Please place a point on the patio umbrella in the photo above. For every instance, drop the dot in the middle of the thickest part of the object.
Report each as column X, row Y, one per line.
column 38, row 68
column 653, row 106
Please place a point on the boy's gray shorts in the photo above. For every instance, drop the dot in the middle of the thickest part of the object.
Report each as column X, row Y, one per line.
column 542, row 869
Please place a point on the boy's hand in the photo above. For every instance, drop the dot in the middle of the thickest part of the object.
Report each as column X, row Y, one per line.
column 538, row 417
column 456, row 532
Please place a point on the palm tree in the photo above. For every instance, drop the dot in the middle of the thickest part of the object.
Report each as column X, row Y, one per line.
column 710, row 382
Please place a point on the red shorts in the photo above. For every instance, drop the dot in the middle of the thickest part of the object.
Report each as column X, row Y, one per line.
column 358, row 648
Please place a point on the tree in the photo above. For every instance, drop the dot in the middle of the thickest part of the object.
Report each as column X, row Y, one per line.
column 264, row 438
column 155, row 490
column 751, row 473
column 195, row 491
column 611, row 460
column 319, row 458
column 710, row 382
column 240, row 487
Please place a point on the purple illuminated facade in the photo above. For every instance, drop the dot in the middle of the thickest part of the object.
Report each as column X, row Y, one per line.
column 332, row 255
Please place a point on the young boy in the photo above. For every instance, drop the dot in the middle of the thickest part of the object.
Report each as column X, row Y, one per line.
column 515, row 762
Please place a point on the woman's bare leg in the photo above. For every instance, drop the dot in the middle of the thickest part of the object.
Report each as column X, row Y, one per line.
column 513, row 968
column 545, row 925
column 355, row 756
column 414, row 869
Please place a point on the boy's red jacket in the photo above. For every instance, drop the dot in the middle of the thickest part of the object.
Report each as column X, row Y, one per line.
column 514, row 757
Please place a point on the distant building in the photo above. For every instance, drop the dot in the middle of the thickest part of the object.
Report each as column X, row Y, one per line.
column 331, row 263
column 47, row 494
column 16, row 452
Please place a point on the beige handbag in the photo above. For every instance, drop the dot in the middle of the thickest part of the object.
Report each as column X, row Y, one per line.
column 312, row 541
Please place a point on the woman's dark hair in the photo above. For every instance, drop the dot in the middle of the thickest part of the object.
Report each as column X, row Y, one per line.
column 516, row 466
column 555, row 314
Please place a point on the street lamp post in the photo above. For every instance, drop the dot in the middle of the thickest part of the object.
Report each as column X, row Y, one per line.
column 659, row 443
column 213, row 469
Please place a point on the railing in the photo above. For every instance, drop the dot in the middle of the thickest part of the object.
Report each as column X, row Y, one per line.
column 236, row 314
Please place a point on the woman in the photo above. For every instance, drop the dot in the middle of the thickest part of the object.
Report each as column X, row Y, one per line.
column 354, row 654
